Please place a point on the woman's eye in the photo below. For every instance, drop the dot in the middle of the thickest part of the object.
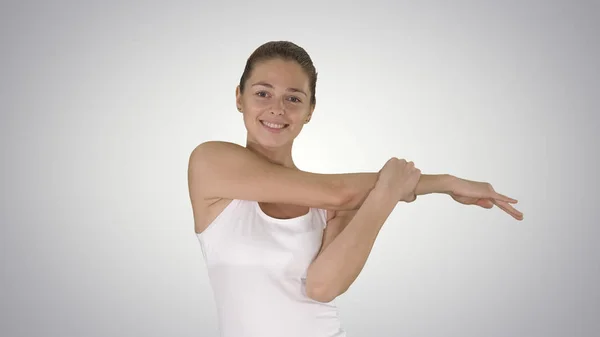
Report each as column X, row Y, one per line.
column 261, row 94
column 295, row 99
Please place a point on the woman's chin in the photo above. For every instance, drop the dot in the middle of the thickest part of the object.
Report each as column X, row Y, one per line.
column 269, row 139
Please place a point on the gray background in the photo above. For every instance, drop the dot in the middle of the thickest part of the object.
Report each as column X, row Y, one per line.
column 103, row 101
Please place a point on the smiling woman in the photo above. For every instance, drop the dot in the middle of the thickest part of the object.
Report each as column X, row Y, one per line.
column 281, row 244
column 278, row 91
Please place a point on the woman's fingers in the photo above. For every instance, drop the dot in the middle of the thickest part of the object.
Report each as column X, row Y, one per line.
column 504, row 198
column 508, row 209
column 485, row 203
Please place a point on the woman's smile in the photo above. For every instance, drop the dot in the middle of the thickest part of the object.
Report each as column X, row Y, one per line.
column 273, row 127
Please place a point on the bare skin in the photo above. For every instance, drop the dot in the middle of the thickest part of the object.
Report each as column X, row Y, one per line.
column 264, row 171
column 340, row 262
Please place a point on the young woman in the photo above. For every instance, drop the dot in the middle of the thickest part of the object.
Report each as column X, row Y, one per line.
column 280, row 243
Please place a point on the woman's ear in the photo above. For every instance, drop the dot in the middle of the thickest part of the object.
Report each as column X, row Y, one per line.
column 309, row 116
column 238, row 98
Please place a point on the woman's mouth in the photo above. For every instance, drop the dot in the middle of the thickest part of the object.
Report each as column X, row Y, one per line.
column 274, row 127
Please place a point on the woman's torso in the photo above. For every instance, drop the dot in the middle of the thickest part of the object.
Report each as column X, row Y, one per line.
column 257, row 256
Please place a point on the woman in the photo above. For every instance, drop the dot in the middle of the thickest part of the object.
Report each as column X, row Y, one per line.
column 280, row 243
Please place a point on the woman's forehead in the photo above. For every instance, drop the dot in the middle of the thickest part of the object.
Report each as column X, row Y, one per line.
column 279, row 73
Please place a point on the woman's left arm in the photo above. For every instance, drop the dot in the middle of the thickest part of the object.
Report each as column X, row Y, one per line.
column 464, row 191
column 428, row 183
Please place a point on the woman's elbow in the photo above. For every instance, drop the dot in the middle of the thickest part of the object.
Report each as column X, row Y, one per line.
column 320, row 294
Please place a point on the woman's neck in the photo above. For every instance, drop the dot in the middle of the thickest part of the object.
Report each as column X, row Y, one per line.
column 280, row 156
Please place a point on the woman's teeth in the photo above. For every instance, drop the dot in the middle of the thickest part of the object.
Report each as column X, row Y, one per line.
column 274, row 126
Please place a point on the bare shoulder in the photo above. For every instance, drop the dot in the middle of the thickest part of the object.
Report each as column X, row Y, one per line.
column 203, row 152
column 206, row 210
column 215, row 145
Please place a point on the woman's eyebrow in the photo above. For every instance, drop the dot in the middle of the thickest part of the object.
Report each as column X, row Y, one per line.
column 269, row 85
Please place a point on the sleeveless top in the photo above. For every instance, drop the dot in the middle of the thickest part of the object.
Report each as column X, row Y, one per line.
column 257, row 268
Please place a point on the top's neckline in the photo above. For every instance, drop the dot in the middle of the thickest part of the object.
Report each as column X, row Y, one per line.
column 277, row 220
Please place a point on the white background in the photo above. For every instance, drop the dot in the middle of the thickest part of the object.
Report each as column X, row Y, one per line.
column 102, row 102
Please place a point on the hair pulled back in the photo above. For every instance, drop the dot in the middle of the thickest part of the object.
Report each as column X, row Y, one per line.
column 287, row 51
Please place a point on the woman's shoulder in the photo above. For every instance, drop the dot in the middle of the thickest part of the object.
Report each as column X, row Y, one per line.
column 215, row 145
column 217, row 151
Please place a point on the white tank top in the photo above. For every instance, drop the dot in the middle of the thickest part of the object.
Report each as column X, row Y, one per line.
column 257, row 269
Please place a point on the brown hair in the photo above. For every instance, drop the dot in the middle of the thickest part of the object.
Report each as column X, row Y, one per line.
column 284, row 50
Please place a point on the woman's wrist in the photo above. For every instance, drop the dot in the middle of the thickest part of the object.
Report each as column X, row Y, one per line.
column 435, row 183
column 447, row 183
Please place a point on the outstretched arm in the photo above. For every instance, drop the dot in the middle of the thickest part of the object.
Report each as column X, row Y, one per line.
column 227, row 170
column 464, row 191
column 364, row 182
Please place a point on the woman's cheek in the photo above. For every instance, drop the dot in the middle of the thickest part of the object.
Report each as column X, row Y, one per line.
column 261, row 102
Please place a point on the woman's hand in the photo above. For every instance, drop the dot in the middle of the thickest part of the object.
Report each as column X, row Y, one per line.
column 482, row 194
column 400, row 178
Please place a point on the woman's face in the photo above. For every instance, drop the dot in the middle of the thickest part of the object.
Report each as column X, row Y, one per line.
column 275, row 102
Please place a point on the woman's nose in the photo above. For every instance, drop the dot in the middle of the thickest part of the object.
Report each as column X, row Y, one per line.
column 278, row 108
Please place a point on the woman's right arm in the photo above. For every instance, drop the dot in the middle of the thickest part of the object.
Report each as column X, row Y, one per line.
column 226, row 170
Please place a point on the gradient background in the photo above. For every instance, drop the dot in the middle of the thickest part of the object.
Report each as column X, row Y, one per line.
column 103, row 101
